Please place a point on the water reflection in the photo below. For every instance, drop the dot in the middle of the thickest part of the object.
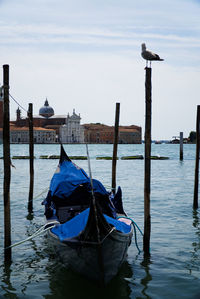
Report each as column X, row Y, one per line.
column 196, row 219
column 196, row 244
column 24, row 270
column 9, row 290
column 30, row 216
column 194, row 264
column 65, row 283
column 145, row 281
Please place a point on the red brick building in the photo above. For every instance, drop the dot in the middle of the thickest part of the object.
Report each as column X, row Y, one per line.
column 99, row 133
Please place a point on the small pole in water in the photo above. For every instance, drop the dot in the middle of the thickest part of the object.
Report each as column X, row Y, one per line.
column 116, row 135
column 7, row 163
column 31, row 156
column 147, row 166
column 196, row 180
column 181, row 146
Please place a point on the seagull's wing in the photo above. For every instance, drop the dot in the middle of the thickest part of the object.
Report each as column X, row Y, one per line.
column 148, row 55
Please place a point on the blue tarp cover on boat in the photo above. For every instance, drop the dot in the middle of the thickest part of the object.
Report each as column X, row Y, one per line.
column 68, row 177
column 73, row 227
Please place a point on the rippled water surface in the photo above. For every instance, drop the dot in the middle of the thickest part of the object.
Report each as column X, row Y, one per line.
column 173, row 269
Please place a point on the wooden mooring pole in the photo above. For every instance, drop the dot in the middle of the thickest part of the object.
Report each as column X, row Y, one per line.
column 147, row 166
column 181, row 146
column 115, row 144
column 31, row 156
column 196, row 179
column 7, row 162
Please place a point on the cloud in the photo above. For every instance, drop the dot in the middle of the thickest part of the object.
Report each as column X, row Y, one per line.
column 49, row 37
column 85, row 55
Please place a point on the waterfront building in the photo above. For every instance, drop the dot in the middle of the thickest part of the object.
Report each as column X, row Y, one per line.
column 40, row 135
column 72, row 131
column 67, row 129
column 46, row 110
column 45, row 119
column 100, row 133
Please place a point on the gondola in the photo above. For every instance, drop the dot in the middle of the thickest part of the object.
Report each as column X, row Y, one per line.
column 88, row 227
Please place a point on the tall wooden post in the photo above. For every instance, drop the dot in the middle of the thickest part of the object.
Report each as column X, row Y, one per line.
column 181, row 146
column 115, row 144
column 147, row 167
column 196, row 180
column 7, row 162
column 31, row 156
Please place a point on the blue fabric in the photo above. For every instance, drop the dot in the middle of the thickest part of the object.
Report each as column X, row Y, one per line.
column 69, row 177
column 73, row 227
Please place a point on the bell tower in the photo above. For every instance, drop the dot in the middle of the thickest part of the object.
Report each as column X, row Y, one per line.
column 18, row 117
column 18, row 112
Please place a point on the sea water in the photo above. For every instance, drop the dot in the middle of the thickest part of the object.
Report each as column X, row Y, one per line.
column 173, row 268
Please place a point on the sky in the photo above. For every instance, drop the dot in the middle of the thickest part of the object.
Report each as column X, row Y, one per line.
column 86, row 55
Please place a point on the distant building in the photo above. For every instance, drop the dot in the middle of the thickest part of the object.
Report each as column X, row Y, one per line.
column 72, row 131
column 50, row 128
column 46, row 110
column 45, row 119
column 40, row 135
column 67, row 128
column 99, row 133
column 130, row 134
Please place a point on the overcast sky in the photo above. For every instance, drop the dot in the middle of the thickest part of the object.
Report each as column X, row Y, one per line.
column 85, row 54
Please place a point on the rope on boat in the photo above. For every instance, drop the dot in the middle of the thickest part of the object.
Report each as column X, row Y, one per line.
column 39, row 232
column 50, row 225
column 101, row 241
column 44, row 191
column 135, row 232
column 39, row 195
column 108, row 187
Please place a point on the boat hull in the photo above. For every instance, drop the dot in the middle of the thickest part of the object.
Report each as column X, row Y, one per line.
column 99, row 262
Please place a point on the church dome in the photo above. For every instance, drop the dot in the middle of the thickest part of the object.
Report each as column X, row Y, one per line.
column 46, row 110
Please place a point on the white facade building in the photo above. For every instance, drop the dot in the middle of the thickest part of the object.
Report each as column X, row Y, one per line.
column 40, row 135
column 72, row 131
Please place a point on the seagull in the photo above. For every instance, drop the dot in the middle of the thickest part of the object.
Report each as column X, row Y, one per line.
column 148, row 55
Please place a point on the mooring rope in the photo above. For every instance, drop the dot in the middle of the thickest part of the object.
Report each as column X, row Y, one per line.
column 17, row 103
column 42, row 230
column 135, row 232
column 39, row 232
column 41, row 193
